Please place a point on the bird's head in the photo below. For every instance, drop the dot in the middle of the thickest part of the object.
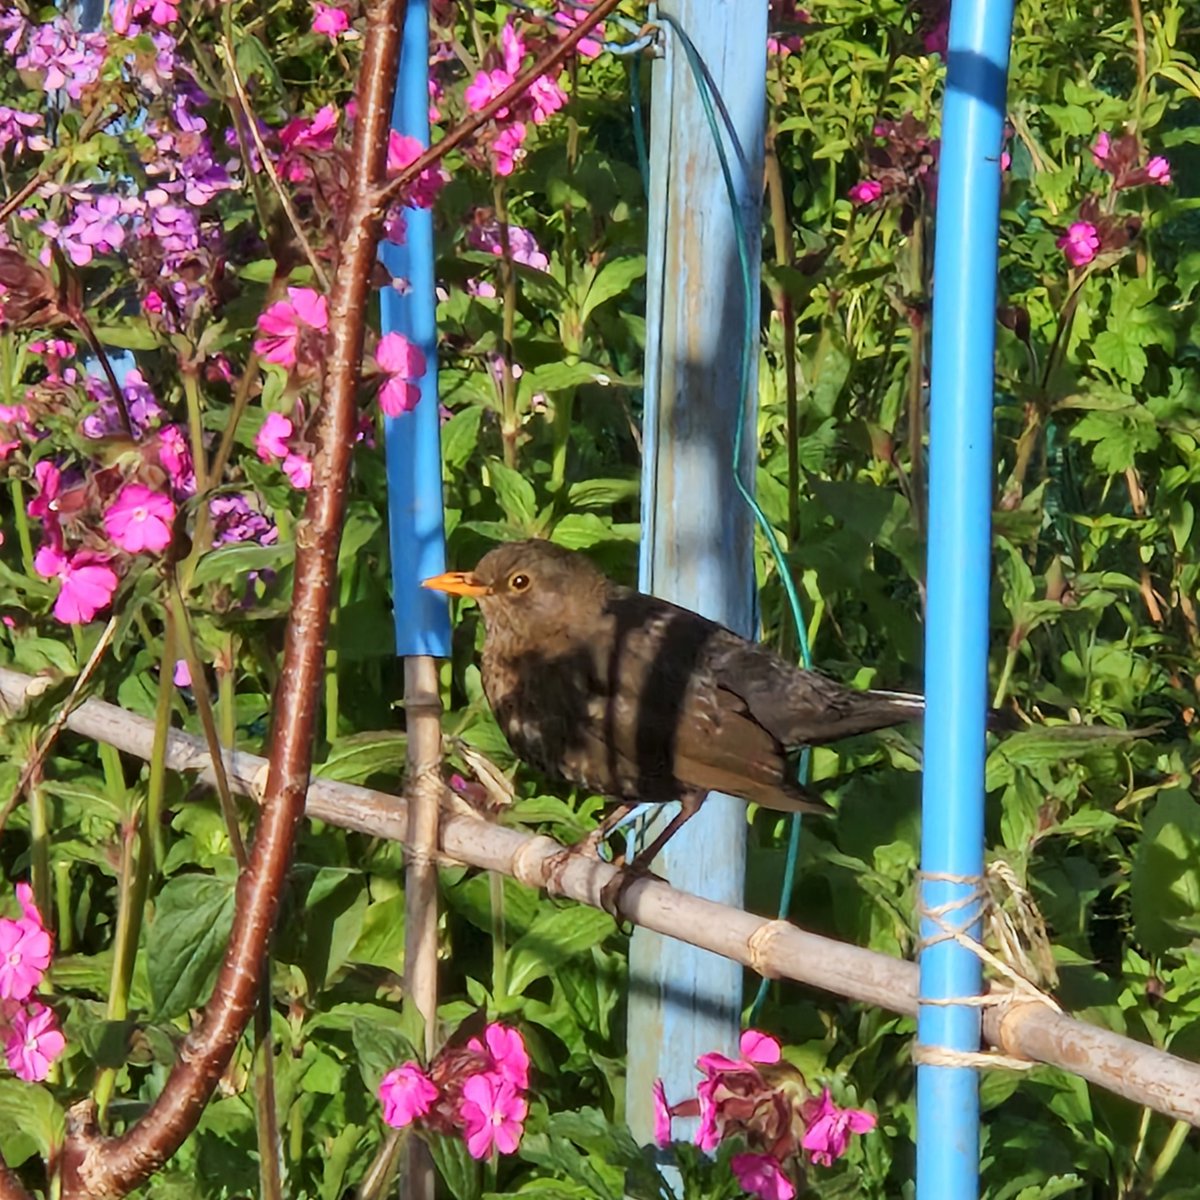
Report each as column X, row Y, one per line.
column 534, row 588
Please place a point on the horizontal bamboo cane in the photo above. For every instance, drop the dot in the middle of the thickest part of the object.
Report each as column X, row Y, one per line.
column 1021, row 1029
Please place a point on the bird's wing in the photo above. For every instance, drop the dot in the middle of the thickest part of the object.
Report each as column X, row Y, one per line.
column 672, row 720
column 798, row 707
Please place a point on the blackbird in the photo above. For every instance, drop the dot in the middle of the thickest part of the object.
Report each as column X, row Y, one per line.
column 640, row 700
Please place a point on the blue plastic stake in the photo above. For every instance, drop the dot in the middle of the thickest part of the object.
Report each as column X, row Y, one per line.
column 413, row 441
column 697, row 534
column 959, row 569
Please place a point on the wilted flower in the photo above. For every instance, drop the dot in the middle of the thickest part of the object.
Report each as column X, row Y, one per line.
column 830, row 1127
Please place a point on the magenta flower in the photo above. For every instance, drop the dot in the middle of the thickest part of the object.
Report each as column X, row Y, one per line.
column 284, row 321
column 485, row 87
column 24, row 957
column 402, row 362
column 510, row 1059
column 759, row 1047
column 761, row 1175
column 44, row 506
column 830, row 1127
column 329, row 20
column 506, row 148
column 1158, row 170
column 86, row 583
column 406, row 1094
column 182, row 675
column 1080, row 244
column 402, row 152
column 33, row 1043
column 570, row 16
column 271, row 442
column 708, row 1136
column 493, row 1115
column 139, row 519
column 1101, row 151
column 298, row 469
column 547, row 98
column 662, row 1116
column 866, row 191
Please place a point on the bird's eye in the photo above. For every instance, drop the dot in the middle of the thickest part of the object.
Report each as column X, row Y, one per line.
column 518, row 582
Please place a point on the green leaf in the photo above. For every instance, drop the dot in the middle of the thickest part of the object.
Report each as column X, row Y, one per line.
column 357, row 758
column 134, row 335
column 1165, row 881
column 514, row 492
column 31, row 1121
column 603, row 493
column 459, row 1171
column 613, row 279
column 381, row 942
column 378, row 1049
column 227, row 562
column 578, row 531
column 553, row 938
column 460, row 436
column 193, row 915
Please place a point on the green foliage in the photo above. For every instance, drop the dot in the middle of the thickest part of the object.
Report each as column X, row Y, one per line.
column 1094, row 625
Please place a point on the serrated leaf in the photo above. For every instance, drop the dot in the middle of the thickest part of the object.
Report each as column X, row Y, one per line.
column 193, row 915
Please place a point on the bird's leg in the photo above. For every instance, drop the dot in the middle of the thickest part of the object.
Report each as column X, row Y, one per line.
column 610, row 895
column 587, row 846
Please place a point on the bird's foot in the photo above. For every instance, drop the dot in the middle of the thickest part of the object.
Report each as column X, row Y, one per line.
column 613, row 892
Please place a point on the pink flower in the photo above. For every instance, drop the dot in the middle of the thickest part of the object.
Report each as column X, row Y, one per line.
column 513, row 46
column 285, row 320
column 485, row 87
column 506, row 148
column 1101, row 150
column 1158, row 170
column 182, row 676
column 139, row 519
column 29, row 908
column 547, row 98
column 830, row 1127
column 329, row 20
column 759, row 1047
column 86, row 583
column 406, row 1094
column 271, row 442
column 298, row 469
column 761, row 1175
column 866, row 191
column 402, row 362
column 510, row 1059
column 33, row 1043
column 24, row 956
column 493, row 1115
column 1080, row 244
column 587, row 47
column 44, row 506
column 662, row 1116
column 709, row 1134
column 402, row 152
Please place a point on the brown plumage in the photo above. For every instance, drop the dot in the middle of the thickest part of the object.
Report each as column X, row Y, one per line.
column 635, row 698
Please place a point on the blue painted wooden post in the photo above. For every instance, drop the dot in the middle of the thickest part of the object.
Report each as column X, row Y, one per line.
column 697, row 534
column 960, row 506
column 413, row 440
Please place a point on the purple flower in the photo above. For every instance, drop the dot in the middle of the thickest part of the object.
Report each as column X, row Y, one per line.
column 66, row 59
column 13, row 126
column 235, row 521
column 95, row 228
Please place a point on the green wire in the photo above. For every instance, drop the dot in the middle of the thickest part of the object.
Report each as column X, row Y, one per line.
column 704, row 88
column 639, row 133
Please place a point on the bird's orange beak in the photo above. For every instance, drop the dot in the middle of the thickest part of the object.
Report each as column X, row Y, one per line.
column 457, row 583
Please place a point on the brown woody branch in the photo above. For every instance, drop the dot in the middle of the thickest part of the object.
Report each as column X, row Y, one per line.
column 94, row 1166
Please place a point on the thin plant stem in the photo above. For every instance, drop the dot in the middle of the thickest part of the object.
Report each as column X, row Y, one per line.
column 157, row 780
column 195, row 416
column 508, row 286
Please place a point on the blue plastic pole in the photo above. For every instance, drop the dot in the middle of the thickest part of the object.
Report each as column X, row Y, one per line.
column 959, row 568
column 413, row 440
column 697, row 534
